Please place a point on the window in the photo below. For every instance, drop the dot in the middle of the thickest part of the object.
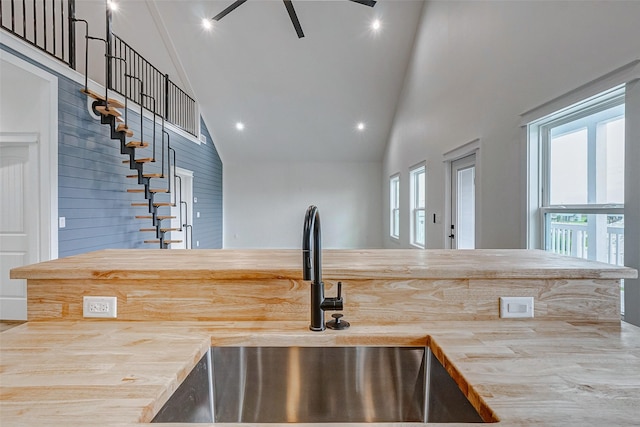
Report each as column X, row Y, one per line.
column 581, row 178
column 394, row 203
column 418, row 191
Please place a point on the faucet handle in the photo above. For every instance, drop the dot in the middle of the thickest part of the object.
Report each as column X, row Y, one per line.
column 336, row 323
column 339, row 290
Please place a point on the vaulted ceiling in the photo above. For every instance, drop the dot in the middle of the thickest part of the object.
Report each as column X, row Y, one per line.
column 299, row 99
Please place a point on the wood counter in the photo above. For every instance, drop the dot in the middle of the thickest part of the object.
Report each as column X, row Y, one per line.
column 380, row 286
column 336, row 265
column 573, row 364
column 533, row 373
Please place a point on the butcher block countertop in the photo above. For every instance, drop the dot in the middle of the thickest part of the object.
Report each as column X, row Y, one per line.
column 518, row 372
column 344, row 264
column 527, row 373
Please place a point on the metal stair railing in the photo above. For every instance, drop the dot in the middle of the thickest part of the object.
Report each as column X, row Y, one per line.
column 110, row 115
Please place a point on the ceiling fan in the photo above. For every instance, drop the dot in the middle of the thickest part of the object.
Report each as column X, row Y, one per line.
column 292, row 12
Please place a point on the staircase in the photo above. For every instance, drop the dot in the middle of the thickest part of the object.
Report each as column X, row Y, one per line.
column 140, row 153
column 124, row 67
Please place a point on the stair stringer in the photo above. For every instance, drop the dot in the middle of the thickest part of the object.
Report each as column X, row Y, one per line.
column 121, row 135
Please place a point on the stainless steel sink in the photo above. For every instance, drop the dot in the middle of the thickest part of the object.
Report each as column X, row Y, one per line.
column 318, row 385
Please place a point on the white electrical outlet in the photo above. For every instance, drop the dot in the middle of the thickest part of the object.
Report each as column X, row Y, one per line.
column 516, row 307
column 105, row 307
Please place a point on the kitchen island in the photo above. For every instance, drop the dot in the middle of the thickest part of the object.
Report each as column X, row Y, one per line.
column 573, row 364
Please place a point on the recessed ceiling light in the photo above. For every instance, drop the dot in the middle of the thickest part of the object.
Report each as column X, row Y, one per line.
column 240, row 126
column 207, row 24
column 376, row 25
column 360, row 126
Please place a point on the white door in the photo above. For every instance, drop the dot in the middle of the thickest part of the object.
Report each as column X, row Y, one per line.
column 19, row 218
column 463, row 203
column 182, row 211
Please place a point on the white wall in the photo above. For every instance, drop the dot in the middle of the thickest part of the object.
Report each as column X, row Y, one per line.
column 632, row 203
column 29, row 114
column 265, row 203
column 476, row 67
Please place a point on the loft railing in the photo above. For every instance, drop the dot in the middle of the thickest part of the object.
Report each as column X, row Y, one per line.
column 180, row 108
column 171, row 102
column 45, row 24
column 49, row 26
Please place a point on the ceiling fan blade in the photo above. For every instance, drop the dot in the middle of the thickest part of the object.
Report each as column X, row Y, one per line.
column 369, row 3
column 294, row 18
column 228, row 9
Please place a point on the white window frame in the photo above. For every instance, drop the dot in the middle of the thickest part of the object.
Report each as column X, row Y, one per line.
column 538, row 136
column 394, row 206
column 414, row 174
column 628, row 75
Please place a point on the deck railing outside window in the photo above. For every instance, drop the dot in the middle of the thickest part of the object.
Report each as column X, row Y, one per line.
column 605, row 242
column 595, row 237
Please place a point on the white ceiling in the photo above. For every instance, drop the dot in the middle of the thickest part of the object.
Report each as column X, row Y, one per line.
column 300, row 99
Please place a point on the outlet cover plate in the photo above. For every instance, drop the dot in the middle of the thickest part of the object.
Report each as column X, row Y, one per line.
column 102, row 307
column 516, row 307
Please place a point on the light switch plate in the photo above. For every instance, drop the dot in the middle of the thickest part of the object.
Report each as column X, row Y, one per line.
column 516, row 307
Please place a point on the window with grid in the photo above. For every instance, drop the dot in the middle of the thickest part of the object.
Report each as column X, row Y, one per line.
column 394, row 203
column 418, row 197
column 581, row 178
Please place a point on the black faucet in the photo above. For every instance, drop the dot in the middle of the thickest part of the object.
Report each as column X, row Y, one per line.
column 318, row 302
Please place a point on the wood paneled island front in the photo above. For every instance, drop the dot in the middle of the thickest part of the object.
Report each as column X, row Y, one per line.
column 575, row 363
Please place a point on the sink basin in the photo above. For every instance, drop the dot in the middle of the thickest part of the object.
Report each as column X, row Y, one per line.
column 318, row 385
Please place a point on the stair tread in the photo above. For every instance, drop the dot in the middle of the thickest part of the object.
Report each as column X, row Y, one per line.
column 157, row 204
column 145, row 160
column 151, row 190
column 151, row 217
column 99, row 97
column 165, row 230
column 166, row 242
column 112, row 111
column 147, row 175
column 123, row 128
column 137, row 144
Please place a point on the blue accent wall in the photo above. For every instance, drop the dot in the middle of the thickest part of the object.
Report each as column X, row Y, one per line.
column 92, row 183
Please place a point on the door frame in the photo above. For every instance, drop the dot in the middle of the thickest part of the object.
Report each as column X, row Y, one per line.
column 47, row 156
column 186, row 178
column 465, row 150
